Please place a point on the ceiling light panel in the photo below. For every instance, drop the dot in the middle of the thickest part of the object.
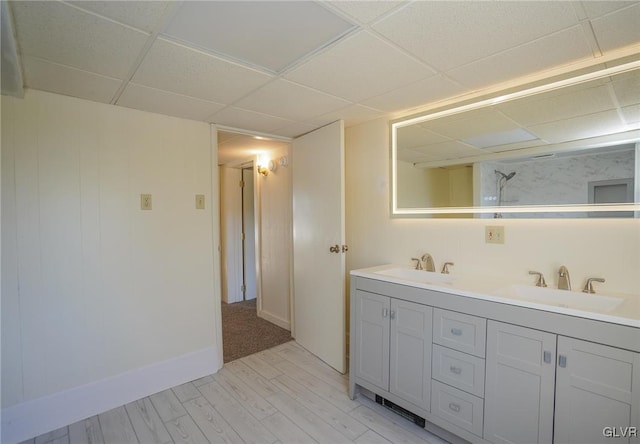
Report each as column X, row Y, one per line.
column 271, row 35
column 182, row 70
column 63, row 34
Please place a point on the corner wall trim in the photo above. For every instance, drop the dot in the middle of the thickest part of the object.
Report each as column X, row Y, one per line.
column 274, row 319
column 37, row 416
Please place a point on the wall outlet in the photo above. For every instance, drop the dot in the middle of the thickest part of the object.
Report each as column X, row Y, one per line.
column 145, row 201
column 494, row 234
column 199, row 201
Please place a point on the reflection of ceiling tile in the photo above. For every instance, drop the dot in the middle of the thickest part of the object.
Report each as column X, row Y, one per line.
column 449, row 150
column 257, row 33
column 542, row 108
column 416, row 135
column 627, row 88
column 631, row 115
column 500, row 138
column 471, row 124
column 592, row 125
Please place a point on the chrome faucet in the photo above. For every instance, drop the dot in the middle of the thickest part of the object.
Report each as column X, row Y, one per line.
column 540, row 282
column 564, row 283
column 445, row 267
column 588, row 287
column 428, row 263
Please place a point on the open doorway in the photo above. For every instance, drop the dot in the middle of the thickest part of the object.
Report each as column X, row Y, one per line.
column 251, row 245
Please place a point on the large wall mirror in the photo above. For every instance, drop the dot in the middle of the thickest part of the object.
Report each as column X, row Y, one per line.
column 570, row 148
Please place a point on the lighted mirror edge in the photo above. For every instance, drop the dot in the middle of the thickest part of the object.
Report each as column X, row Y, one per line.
column 401, row 122
column 585, row 208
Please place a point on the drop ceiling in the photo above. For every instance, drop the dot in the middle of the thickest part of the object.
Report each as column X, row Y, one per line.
column 286, row 68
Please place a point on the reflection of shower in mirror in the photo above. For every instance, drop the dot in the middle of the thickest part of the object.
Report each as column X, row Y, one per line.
column 501, row 182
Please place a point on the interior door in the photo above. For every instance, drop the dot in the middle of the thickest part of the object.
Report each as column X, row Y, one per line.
column 249, row 235
column 318, row 225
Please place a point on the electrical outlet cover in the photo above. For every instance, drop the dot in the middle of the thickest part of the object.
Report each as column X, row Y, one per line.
column 145, row 202
column 494, row 234
column 199, row 201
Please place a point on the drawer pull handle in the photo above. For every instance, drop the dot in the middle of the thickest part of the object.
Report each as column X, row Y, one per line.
column 456, row 331
column 385, row 312
column 454, row 407
column 455, row 370
column 392, row 314
column 547, row 357
column 562, row 361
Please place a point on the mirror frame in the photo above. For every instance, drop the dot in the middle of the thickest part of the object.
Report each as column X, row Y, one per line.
column 476, row 211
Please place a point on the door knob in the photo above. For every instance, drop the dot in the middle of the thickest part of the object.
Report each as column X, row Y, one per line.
column 345, row 248
column 334, row 249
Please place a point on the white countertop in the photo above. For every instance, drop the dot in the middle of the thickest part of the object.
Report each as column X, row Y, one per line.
column 627, row 313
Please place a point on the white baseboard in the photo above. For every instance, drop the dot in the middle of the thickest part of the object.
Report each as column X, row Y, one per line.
column 35, row 417
column 274, row 319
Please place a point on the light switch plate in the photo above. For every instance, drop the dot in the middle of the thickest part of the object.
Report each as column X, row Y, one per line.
column 199, row 201
column 145, row 201
column 494, row 234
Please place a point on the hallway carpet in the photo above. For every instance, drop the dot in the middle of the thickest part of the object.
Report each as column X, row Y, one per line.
column 244, row 333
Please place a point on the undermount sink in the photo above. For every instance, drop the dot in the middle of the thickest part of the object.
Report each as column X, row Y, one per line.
column 425, row 277
column 565, row 298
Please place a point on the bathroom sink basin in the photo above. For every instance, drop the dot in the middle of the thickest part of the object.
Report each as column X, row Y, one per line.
column 565, row 298
column 425, row 277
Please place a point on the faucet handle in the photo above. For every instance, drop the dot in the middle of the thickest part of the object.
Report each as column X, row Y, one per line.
column 445, row 267
column 418, row 263
column 588, row 286
column 540, row 282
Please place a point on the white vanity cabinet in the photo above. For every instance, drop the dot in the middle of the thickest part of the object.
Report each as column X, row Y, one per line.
column 520, row 382
column 393, row 349
column 592, row 384
column 597, row 393
column 486, row 371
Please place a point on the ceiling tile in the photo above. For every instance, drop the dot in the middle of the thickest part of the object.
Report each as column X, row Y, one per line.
column 598, row 8
column 163, row 102
column 471, row 124
column 365, row 11
column 250, row 120
column 416, row 94
column 450, row 34
column 290, row 101
column 63, row 34
column 413, row 136
column 144, row 15
column 47, row 76
column 295, row 129
column 618, row 29
column 176, row 68
column 352, row 115
column 360, row 67
column 557, row 49
column 631, row 115
column 272, row 35
column 449, row 150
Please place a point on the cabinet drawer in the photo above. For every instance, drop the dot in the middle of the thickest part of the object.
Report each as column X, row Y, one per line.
column 458, row 369
column 459, row 331
column 457, row 407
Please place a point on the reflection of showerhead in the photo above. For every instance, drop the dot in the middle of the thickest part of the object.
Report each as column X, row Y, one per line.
column 506, row 176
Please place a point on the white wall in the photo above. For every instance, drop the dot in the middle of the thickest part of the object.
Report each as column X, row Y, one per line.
column 607, row 248
column 93, row 287
column 275, row 209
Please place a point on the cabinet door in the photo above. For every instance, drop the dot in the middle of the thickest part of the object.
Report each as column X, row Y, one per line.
column 519, row 390
column 411, row 333
column 597, row 393
column 372, row 336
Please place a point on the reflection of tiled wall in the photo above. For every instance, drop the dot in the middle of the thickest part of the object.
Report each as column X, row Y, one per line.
column 558, row 181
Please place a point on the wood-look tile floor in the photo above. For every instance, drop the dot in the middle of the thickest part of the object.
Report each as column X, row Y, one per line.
column 280, row 395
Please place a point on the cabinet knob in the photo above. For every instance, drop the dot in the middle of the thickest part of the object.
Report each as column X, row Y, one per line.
column 334, row 249
column 456, row 331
